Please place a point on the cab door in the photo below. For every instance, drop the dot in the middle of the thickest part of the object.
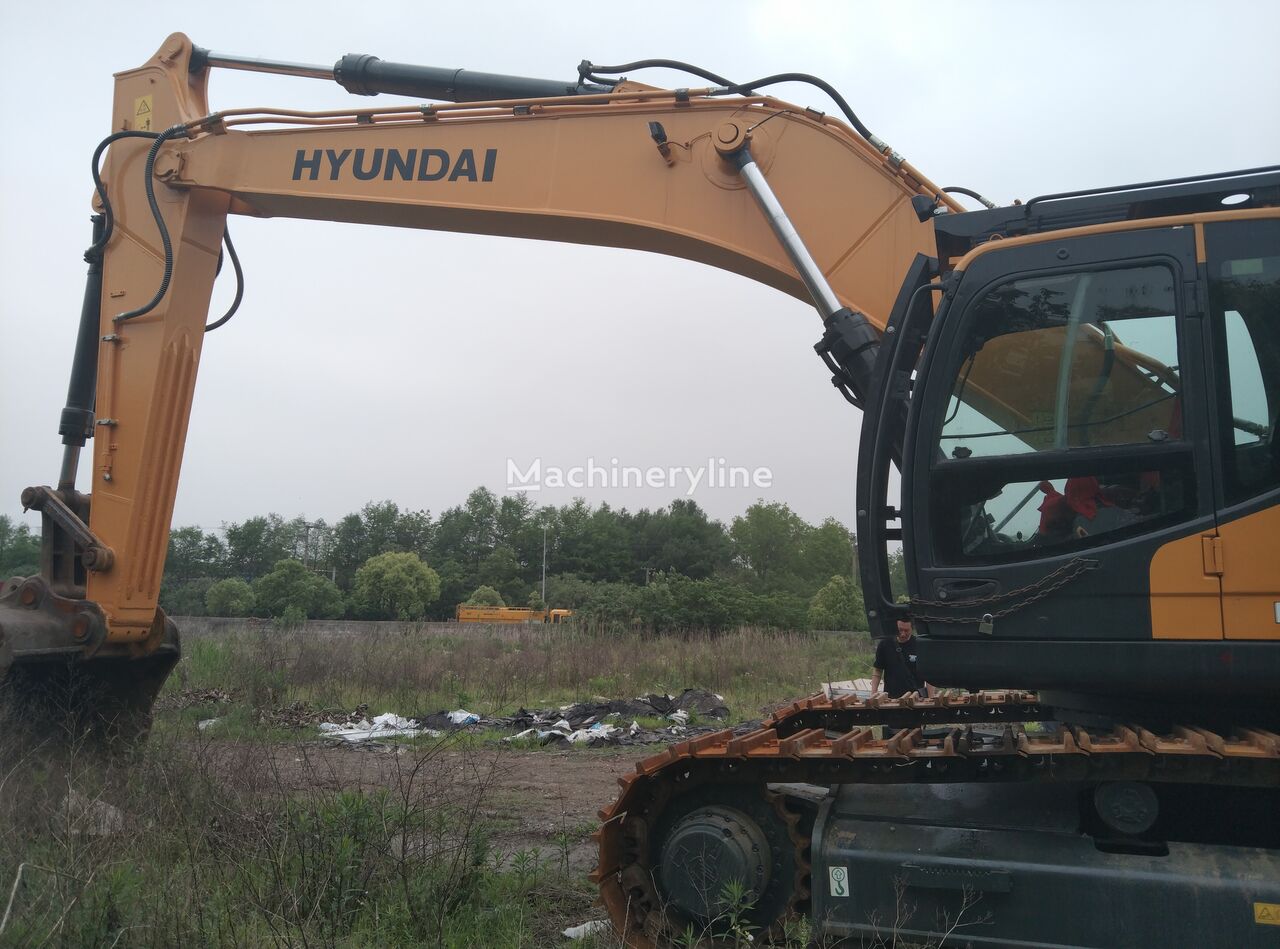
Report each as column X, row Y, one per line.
column 1059, row 469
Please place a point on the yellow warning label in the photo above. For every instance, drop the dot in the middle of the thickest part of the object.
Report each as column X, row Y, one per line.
column 1266, row 914
column 142, row 113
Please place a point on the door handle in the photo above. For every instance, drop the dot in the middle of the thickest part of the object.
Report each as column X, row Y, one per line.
column 960, row 589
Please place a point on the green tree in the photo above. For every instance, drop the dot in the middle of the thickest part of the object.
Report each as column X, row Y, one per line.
column 350, row 548
column 485, row 596
column 253, row 546
column 455, row 584
column 567, row 591
column 609, row 544
column 19, row 549
column 194, row 561
column 682, row 539
column 898, row 573
column 395, row 585
column 291, row 584
column 186, row 597
column 229, row 597
column 767, row 540
column 501, row 571
column 826, row 551
column 193, row 553
column 838, row 605
column 517, row 522
column 482, row 514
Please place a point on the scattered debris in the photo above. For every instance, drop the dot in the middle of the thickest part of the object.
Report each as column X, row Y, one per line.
column 207, row 723
column 593, row 723
column 188, row 698
column 589, row 724
column 694, row 701
column 306, row 715
column 589, row 928
column 450, row 721
column 388, row 725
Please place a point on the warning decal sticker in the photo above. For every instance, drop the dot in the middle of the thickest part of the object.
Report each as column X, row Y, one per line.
column 142, row 113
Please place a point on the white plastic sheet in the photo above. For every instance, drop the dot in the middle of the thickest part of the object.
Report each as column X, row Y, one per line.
column 387, row 725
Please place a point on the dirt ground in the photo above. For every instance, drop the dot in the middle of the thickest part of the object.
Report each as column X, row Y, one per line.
column 541, row 799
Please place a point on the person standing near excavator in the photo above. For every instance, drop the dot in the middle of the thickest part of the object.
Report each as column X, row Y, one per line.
column 895, row 664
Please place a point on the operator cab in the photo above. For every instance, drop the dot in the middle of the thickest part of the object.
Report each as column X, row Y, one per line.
column 1086, row 434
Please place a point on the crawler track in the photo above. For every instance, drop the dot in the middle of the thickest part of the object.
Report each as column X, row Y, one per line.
column 827, row 742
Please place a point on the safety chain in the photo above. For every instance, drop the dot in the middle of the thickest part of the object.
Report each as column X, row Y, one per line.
column 1033, row 592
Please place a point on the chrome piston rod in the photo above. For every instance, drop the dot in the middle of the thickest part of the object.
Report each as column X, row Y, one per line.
column 849, row 344
column 256, row 64
column 824, row 298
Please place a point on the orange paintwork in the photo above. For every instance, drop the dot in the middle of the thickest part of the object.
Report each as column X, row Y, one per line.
column 508, row 614
column 1186, row 601
column 1251, row 575
column 580, row 170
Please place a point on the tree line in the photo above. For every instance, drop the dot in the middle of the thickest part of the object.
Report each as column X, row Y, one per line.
column 670, row 568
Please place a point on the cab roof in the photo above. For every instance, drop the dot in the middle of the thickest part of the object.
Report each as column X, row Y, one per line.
column 957, row 234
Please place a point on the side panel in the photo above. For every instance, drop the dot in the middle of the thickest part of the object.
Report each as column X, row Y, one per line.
column 1251, row 576
column 1185, row 592
column 1008, row 866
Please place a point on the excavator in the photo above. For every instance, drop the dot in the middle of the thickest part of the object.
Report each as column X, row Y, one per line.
column 1079, row 394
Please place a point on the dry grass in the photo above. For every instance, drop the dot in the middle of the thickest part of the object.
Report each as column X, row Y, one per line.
column 187, row 842
column 245, row 836
column 495, row 670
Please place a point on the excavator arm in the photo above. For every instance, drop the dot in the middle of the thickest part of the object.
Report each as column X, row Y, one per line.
column 635, row 167
column 820, row 210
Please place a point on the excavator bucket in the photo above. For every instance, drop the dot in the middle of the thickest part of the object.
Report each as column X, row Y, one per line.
column 59, row 681
column 61, row 676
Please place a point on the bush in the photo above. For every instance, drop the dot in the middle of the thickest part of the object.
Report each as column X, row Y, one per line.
column 232, row 597
column 187, row 597
column 394, row 586
column 485, row 596
column 292, row 617
column 292, row 584
column 838, row 605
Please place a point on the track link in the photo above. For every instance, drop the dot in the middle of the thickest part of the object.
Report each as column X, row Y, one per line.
column 834, row 741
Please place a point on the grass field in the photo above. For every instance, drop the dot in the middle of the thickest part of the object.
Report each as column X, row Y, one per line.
column 256, row 833
column 495, row 670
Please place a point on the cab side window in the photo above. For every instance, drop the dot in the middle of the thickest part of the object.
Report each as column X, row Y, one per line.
column 1244, row 303
column 1051, row 365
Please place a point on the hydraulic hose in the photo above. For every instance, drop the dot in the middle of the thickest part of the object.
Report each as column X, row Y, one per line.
column 165, row 241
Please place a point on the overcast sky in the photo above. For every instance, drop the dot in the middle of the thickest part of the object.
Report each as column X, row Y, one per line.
column 382, row 363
